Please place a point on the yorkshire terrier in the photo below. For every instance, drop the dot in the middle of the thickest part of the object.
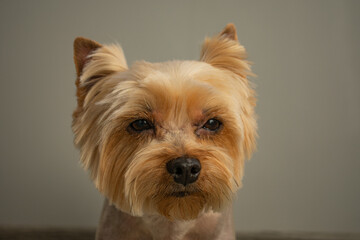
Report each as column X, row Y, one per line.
column 165, row 143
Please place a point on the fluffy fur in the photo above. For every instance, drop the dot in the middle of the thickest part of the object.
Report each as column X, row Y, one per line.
column 177, row 97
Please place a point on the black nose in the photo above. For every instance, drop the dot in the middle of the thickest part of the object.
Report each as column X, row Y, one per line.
column 185, row 170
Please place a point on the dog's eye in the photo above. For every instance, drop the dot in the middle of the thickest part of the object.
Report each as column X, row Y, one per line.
column 140, row 125
column 212, row 124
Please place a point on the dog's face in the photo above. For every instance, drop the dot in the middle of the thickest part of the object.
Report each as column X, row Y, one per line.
column 165, row 138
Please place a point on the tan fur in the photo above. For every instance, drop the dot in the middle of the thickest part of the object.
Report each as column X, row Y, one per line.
column 178, row 97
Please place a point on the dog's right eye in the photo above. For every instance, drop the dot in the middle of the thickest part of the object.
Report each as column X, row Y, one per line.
column 212, row 125
column 140, row 125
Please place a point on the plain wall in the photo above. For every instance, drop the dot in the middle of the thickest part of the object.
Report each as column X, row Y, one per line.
column 306, row 172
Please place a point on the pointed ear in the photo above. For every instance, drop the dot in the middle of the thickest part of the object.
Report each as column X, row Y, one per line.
column 94, row 62
column 224, row 51
column 229, row 32
column 83, row 47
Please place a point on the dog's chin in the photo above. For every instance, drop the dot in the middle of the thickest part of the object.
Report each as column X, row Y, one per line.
column 181, row 205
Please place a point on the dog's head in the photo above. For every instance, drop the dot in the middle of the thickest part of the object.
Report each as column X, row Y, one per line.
column 167, row 138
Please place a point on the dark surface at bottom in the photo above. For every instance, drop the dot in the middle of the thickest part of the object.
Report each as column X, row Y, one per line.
column 15, row 233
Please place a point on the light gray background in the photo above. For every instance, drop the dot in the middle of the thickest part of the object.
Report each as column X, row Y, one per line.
column 306, row 172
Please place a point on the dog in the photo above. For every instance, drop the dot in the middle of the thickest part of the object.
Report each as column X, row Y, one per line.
column 165, row 143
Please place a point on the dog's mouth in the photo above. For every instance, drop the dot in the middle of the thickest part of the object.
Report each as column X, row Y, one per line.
column 181, row 191
column 181, row 194
column 184, row 193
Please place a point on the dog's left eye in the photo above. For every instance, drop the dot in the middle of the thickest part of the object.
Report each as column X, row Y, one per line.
column 212, row 124
column 141, row 125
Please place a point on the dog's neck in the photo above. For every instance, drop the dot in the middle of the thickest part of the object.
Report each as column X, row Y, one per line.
column 116, row 225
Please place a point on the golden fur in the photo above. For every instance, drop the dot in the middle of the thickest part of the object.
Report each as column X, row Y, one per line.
column 178, row 97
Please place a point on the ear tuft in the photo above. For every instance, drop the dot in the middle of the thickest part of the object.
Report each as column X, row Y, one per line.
column 94, row 62
column 229, row 32
column 224, row 51
column 83, row 47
